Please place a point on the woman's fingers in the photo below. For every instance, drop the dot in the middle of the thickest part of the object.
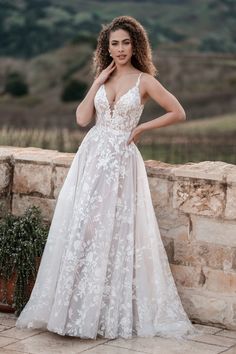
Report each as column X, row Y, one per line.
column 111, row 63
column 130, row 138
column 110, row 71
column 112, row 68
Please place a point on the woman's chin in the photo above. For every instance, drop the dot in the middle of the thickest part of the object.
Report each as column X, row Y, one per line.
column 122, row 62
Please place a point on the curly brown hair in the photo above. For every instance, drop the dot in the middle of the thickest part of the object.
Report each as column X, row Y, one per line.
column 142, row 59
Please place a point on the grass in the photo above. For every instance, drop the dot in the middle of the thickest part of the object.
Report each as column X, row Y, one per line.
column 198, row 140
column 55, row 139
column 210, row 126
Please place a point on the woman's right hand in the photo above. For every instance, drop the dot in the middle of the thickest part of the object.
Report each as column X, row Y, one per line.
column 104, row 75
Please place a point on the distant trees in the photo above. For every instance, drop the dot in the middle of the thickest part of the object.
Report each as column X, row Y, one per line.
column 29, row 28
column 164, row 34
column 226, row 7
column 215, row 43
column 85, row 38
column 21, row 33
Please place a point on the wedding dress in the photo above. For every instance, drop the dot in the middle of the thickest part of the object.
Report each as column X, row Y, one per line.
column 104, row 270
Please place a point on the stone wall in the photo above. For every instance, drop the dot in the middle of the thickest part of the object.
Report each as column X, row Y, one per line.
column 195, row 205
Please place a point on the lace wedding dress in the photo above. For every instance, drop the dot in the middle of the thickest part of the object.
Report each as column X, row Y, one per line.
column 104, row 270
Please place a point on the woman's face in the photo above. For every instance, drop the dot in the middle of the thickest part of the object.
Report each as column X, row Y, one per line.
column 120, row 46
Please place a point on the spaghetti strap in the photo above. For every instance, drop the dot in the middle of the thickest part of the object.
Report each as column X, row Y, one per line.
column 138, row 81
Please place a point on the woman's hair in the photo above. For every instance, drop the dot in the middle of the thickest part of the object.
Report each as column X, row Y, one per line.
column 142, row 57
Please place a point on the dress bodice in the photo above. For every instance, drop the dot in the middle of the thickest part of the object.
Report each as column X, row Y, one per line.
column 126, row 111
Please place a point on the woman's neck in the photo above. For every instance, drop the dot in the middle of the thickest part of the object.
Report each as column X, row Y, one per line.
column 124, row 70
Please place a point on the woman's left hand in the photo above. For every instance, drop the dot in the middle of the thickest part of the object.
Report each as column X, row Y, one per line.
column 135, row 135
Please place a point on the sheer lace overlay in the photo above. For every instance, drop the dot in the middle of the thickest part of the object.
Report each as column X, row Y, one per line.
column 104, row 270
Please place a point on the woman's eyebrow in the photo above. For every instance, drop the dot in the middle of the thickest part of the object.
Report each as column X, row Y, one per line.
column 115, row 40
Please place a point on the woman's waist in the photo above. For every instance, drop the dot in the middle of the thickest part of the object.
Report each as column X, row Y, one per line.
column 114, row 130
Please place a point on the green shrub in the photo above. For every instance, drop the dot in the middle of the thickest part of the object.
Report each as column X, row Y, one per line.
column 73, row 90
column 22, row 240
column 16, row 85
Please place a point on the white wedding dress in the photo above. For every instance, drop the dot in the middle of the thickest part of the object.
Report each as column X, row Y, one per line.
column 104, row 270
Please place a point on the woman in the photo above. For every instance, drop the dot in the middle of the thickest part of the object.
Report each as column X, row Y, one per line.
column 104, row 270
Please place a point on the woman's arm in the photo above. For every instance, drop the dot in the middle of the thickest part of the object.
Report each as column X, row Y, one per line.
column 86, row 110
column 175, row 112
column 151, row 87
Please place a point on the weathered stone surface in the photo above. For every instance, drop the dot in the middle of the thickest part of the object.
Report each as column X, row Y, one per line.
column 59, row 176
column 199, row 197
column 5, row 176
column 5, row 205
column 7, row 152
column 214, row 231
column 159, row 188
column 209, row 307
column 21, row 203
column 30, row 178
column 169, row 247
column 159, row 169
column 213, row 170
column 203, row 253
column 234, row 258
column 230, row 209
column 63, row 159
column 219, row 281
column 187, row 276
column 233, row 312
column 35, row 155
column 231, row 175
column 173, row 223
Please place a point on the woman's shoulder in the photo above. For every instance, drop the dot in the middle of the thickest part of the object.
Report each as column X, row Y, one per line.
column 147, row 78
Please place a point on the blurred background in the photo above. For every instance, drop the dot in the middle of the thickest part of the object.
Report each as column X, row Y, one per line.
column 46, row 49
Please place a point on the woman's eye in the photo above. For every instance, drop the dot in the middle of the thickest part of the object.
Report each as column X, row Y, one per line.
column 124, row 43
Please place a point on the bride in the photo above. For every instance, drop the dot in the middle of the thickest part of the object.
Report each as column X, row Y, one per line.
column 104, row 270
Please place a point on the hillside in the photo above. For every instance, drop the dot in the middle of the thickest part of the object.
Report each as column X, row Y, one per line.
column 51, row 42
column 204, row 84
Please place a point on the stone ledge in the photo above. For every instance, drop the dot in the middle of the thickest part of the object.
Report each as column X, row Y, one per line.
column 36, row 156
column 206, row 170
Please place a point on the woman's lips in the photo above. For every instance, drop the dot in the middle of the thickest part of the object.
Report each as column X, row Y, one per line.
column 121, row 56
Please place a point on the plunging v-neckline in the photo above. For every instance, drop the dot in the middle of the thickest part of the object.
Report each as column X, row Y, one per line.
column 111, row 111
column 115, row 104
